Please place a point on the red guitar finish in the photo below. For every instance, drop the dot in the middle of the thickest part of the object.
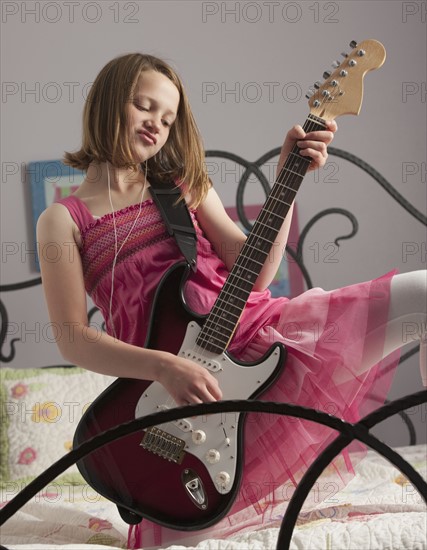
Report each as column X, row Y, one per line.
column 138, row 481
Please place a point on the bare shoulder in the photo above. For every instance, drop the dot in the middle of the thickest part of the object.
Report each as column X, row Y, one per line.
column 56, row 223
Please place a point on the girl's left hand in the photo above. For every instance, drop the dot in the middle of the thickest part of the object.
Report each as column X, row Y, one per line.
column 311, row 144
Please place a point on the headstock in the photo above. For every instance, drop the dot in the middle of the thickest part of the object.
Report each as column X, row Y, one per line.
column 342, row 91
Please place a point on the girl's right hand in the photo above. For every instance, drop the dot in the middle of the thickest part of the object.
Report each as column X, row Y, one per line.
column 187, row 382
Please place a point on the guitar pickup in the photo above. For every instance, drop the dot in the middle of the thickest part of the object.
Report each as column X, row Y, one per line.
column 182, row 424
column 209, row 364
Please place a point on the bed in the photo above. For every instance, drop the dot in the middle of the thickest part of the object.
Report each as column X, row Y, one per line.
column 381, row 508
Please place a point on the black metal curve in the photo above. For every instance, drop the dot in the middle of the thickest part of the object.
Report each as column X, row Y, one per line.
column 408, row 354
column 3, row 333
column 323, row 460
column 297, row 255
column 322, row 214
column 5, row 318
column 382, row 181
column 347, row 430
column 93, row 311
column 22, row 285
column 254, row 167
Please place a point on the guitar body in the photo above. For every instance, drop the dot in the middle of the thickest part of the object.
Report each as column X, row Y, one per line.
column 195, row 488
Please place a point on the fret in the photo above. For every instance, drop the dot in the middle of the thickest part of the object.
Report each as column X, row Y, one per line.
column 228, row 326
column 295, row 159
column 252, row 259
column 290, row 188
column 248, row 279
column 270, row 212
column 213, row 339
column 243, row 282
column 319, row 122
column 258, row 242
column 230, row 302
column 278, row 200
column 237, row 272
column 217, row 320
column 269, row 227
column 227, row 311
column 293, row 171
column 211, row 347
column 254, row 254
column 222, row 317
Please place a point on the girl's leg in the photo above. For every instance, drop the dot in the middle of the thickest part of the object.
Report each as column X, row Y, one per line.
column 406, row 323
column 407, row 319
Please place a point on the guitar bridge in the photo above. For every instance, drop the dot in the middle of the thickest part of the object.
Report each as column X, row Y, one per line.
column 163, row 444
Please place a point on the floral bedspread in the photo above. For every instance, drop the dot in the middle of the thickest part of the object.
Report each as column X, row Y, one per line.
column 378, row 510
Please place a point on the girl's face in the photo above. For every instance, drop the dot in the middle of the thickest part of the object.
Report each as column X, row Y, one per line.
column 152, row 111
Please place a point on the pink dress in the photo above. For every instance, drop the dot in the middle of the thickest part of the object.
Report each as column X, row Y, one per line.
column 324, row 332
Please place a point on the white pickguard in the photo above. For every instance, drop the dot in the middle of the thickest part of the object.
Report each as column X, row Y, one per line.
column 212, row 438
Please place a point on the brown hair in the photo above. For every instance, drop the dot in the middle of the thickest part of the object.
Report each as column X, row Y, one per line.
column 105, row 134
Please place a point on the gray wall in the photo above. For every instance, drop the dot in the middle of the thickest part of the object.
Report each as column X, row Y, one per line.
column 247, row 67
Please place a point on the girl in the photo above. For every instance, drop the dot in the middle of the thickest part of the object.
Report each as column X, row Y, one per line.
column 137, row 125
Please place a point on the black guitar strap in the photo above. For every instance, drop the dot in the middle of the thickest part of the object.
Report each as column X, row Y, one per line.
column 177, row 218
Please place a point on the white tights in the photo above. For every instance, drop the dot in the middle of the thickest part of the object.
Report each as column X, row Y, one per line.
column 407, row 319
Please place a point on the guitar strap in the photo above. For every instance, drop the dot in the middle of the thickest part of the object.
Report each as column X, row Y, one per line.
column 177, row 218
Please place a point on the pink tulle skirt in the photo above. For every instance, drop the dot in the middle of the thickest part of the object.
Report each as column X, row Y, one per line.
column 332, row 339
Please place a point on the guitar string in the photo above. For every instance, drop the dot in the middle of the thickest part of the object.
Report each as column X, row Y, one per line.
column 263, row 233
column 232, row 280
column 116, row 249
column 285, row 176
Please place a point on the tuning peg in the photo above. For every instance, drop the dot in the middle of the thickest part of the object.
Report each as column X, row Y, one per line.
column 309, row 94
column 335, row 64
column 353, row 44
column 317, row 84
column 344, row 54
column 326, row 74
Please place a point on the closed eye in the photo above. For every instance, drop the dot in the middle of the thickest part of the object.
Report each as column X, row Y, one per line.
column 140, row 107
column 165, row 122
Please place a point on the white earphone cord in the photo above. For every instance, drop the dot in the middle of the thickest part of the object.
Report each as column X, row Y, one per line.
column 117, row 252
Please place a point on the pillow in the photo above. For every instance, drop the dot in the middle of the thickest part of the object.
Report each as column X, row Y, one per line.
column 40, row 410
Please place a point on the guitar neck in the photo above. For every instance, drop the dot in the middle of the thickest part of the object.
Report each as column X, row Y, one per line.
column 222, row 321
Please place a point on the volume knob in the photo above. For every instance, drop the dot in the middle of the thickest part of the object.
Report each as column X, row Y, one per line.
column 223, row 479
column 198, row 437
column 213, row 456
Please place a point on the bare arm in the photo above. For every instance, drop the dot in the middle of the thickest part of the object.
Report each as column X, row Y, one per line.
column 95, row 350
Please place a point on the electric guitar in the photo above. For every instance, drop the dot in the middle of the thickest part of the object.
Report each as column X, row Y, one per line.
column 185, row 474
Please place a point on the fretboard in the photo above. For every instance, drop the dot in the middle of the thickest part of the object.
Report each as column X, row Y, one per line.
column 223, row 319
